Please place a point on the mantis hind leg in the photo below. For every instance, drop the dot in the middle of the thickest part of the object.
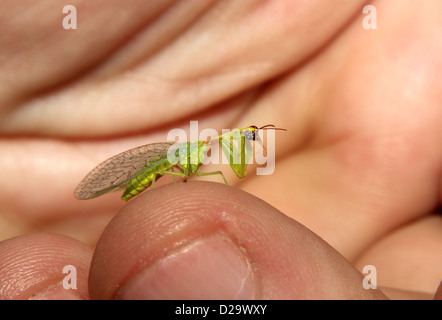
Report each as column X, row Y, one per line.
column 174, row 180
column 200, row 174
column 182, row 171
column 163, row 172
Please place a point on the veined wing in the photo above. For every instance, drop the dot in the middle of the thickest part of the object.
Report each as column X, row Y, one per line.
column 115, row 172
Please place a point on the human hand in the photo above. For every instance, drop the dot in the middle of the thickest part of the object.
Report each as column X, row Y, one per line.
column 359, row 165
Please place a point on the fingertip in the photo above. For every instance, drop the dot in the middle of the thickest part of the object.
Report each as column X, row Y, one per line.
column 438, row 294
column 34, row 266
column 201, row 240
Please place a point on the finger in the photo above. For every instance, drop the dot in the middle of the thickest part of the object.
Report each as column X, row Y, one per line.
column 408, row 258
column 201, row 240
column 438, row 294
column 44, row 266
column 161, row 50
column 367, row 160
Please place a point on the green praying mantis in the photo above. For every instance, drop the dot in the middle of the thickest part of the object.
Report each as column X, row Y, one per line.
column 137, row 169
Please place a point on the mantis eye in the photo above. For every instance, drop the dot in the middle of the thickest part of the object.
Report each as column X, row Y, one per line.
column 250, row 134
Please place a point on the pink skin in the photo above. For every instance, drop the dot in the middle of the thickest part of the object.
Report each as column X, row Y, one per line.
column 357, row 179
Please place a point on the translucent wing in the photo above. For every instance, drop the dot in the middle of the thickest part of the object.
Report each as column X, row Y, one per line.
column 115, row 172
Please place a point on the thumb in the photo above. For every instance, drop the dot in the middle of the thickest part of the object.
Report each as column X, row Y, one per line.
column 202, row 240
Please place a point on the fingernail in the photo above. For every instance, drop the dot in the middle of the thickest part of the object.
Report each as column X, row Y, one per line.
column 209, row 268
